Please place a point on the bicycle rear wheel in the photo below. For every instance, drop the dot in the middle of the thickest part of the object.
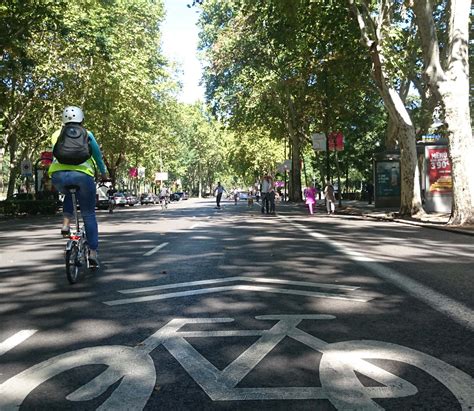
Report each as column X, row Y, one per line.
column 72, row 264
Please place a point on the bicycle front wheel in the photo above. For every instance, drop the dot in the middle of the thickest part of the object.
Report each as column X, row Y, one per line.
column 72, row 264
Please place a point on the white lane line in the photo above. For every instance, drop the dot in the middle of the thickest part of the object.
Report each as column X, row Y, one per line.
column 14, row 340
column 154, row 250
column 458, row 312
column 237, row 287
column 240, row 278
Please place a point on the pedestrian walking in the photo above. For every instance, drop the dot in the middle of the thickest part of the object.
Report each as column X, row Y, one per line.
column 218, row 191
column 236, row 195
column 250, row 198
column 267, row 186
column 271, row 199
column 330, row 198
column 310, row 194
column 370, row 191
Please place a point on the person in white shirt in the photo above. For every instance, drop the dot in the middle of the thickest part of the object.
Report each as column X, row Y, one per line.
column 219, row 190
column 236, row 195
column 164, row 194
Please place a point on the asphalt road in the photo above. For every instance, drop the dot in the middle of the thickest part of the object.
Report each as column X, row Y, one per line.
column 198, row 308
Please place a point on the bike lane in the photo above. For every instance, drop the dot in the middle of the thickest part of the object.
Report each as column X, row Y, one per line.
column 239, row 281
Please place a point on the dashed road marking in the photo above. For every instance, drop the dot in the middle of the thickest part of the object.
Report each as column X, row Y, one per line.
column 15, row 340
column 154, row 250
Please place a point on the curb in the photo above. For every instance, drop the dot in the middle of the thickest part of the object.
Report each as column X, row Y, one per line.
column 355, row 211
column 425, row 224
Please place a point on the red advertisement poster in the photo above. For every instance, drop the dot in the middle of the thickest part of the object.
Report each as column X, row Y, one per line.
column 439, row 171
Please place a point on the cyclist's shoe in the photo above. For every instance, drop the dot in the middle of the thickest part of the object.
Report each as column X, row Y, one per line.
column 93, row 259
column 66, row 231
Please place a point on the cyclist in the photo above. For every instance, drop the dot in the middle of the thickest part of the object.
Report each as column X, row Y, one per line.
column 81, row 175
column 110, row 194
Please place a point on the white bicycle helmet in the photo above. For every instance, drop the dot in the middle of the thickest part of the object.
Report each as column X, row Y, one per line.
column 72, row 114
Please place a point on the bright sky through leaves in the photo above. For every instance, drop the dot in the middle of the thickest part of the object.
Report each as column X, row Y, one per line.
column 180, row 37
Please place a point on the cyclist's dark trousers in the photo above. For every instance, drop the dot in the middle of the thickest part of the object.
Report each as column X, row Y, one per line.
column 266, row 202
column 86, row 198
column 218, row 199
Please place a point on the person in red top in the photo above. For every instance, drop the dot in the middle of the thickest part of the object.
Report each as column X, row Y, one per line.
column 310, row 194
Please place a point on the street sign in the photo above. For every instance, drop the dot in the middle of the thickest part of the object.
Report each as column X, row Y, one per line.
column 141, row 172
column 319, row 141
column 26, row 168
column 161, row 176
column 284, row 166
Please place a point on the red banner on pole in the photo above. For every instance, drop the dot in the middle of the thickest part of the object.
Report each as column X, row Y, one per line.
column 336, row 141
column 339, row 141
column 46, row 157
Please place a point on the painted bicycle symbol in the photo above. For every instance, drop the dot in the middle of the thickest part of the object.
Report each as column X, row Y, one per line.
column 135, row 370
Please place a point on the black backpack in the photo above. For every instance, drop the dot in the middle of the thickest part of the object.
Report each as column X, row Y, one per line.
column 73, row 145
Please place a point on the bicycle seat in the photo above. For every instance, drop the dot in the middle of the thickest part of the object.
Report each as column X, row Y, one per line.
column 70, row 187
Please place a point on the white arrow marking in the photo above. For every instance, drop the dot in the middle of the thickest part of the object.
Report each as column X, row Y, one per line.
column 235, row 288
column 240, row 278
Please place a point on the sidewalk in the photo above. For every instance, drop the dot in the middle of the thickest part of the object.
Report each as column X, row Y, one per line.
column 436, row 221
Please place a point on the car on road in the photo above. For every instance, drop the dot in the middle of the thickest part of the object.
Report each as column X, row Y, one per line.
column 178, row 196
column 101, row 198
column 149, row 198
column 120, row 199
column 243, row 195
column 131, row 200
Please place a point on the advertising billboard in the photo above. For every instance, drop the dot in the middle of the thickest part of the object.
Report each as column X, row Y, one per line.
column 387, row 179
column 438, row 182
column 439, row 170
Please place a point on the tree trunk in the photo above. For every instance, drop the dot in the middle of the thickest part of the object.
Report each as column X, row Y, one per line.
column 295, row 141
column 452, row 86
column 2, row 156
column 295, row 194
column 392, row 135
column 461, row 155
column 410, row 202
column 13, row 168
column 295, row 172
